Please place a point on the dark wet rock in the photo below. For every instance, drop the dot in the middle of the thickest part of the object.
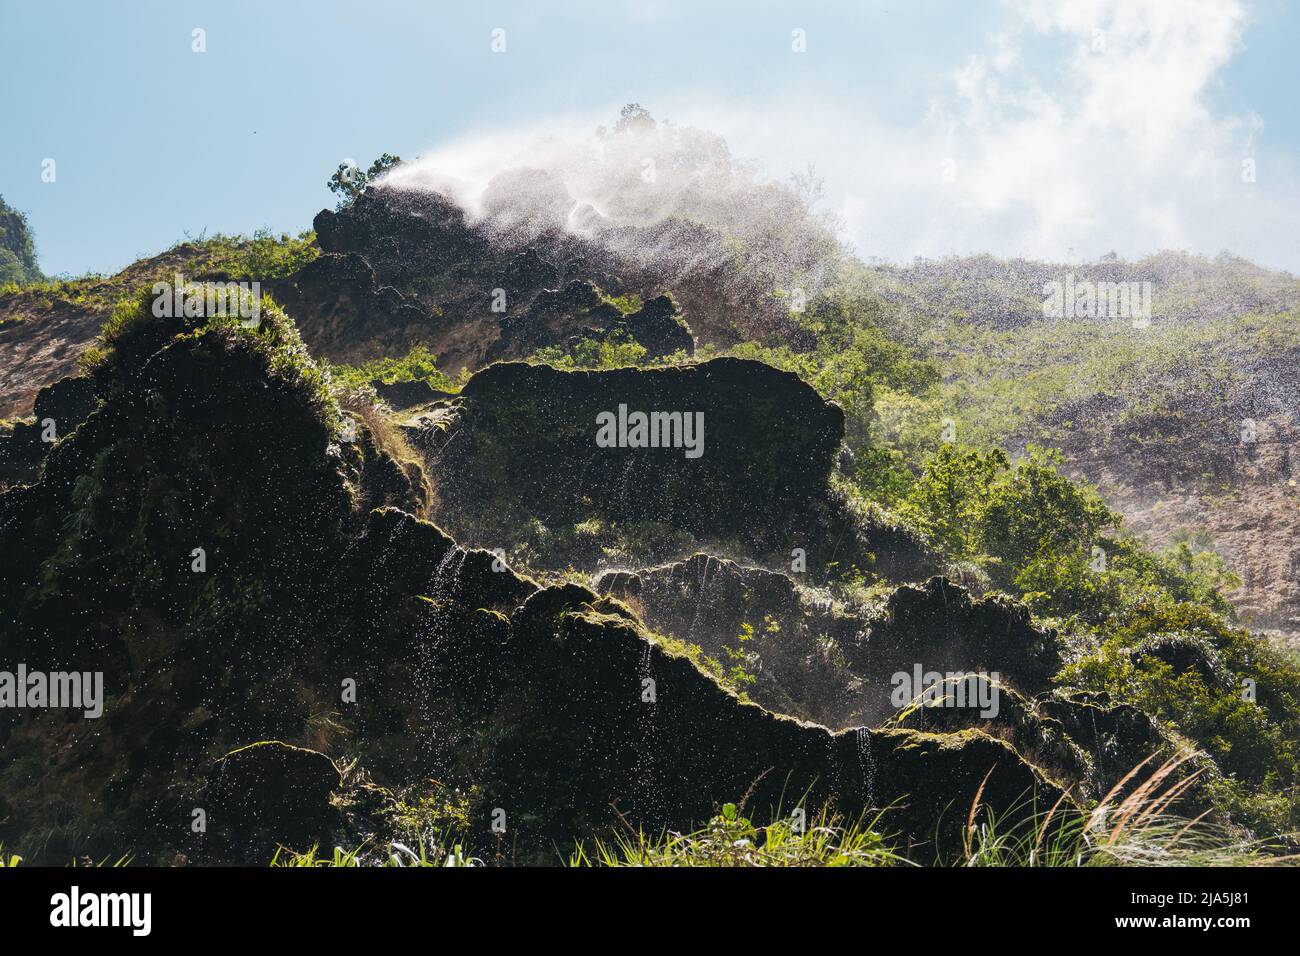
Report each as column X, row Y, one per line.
column 21, row 453
column 1117, row 737
column 527, row 274
column 222, row 444
column 1089, row 747
column 675, row 756
column 576, row 297
column 577, row 312
column 910, row 766
column 67, row 402
column 270, row 794
column 346, row 315
column 1018, row 720
column 541, row 425
column 551, row 704
column 659, row 327
column 828, row 661
column 410, row 394
column 553, row 317
column 520, row 448
column 401, row 233
column 833, row 663
column 793, row 638
column 704, row 600
column 939, row 625
column 422, row 244
column 404, row 266
column 58, row 409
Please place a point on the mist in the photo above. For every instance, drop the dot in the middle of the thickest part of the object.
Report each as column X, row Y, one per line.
column 1072, row 134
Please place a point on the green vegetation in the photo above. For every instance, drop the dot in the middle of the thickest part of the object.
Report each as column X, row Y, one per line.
column 1231, row 693
column 1133, row 825
column 732, row 839
column 425, row 829
column 963, row 409
column 614, row 351
column 935, row 397
column 627, row 304
column 1052, row 542
column 259, row 257
column 394, row 854
column 17, row 248
column 11, row 860
column 133, row 333
column 1053, row 381
column 90, row 292
column 417, row 365
column 349, row 180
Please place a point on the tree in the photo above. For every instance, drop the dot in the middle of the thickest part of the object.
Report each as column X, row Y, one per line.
column 634, row 116
column 946, row 503
column 1033, row 513
column 349, row 181
column 17, row 249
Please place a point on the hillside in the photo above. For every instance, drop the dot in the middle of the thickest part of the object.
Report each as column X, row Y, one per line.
column 1186, row 423
column 393, row 560
column 45, row 325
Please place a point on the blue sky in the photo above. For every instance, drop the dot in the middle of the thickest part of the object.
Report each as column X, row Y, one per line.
column 1056, row 149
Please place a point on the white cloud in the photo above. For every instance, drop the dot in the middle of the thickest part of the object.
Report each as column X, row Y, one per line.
column 1076, row 129
column 1081, row 126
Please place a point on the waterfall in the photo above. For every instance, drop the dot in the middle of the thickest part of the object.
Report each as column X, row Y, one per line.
column 446, row 577
column 700, row 596
column 650, row 797
column 866, row 763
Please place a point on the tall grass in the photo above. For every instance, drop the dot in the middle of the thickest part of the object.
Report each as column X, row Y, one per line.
column 1134, row 828
column 731, row 839
column 1133, row 825
column 10, row 860
column 393, row 854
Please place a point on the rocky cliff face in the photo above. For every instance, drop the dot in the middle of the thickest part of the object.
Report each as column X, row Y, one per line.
column 836, row 663
column 744, row 462
column 400, row 267
column 406, row 265
column 708, row 602
column 577, row 312
column 1243, row 494
column 286, row 648
column 300, row 635
column 499, row 289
